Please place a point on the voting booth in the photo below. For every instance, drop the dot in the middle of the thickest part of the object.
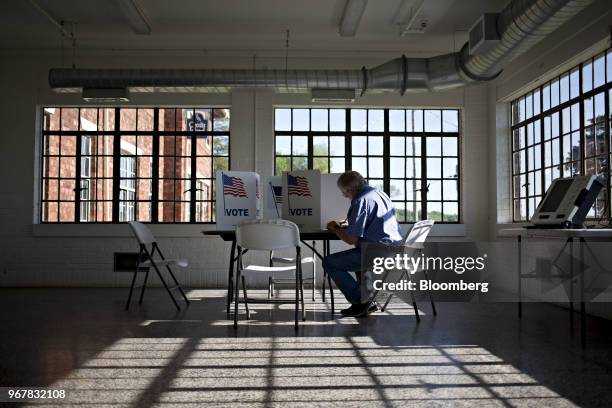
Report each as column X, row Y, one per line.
column 273, row 197
column 238, row 198
column 311, row 199
column 308, row 198
column 302, row 198
column 334, row 206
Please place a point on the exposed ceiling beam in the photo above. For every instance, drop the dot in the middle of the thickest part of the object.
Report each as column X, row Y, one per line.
column 353, row 11
column 56, row 23
column 136, row 16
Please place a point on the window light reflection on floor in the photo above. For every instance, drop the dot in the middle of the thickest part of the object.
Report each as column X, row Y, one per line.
column 303, row 371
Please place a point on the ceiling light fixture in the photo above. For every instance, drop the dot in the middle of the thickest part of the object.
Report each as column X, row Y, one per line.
column 106, row 95
column 353, row 11
column 333, row 95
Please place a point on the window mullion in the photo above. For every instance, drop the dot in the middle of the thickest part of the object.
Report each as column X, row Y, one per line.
column 607, row 124
column 310, row 153
column 155, row 168
column 192, row 187
column 424, row 188
column 581, row 115
column 386, row 154
column 348, row 161
column 77, row 176
column 116, row 165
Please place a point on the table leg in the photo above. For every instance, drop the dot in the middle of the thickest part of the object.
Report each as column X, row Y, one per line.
column 329, row 281
column 230, row 277
column 324, row 273
column 314, row 271
column 520, row 276
column 582, row 305
column 571, row 288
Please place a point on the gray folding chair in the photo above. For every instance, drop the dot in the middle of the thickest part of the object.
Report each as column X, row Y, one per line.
column 146, row 261
column 413, row 246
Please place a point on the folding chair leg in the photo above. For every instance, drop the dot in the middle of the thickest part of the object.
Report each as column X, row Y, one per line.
column 414, row 304
column 165, row 286
column 269, row 287
column 301, row 287
column 314, row 296
column 177, row 285
column 297, row 298
column 236, row 295
column 433, row 305
column 382, row 309
column 416, row 309
column 129, row 299
column 246, row 303
column 314, row 271
column 331, row 294
column 144, row 285
column 323, row 286
column 302, row 293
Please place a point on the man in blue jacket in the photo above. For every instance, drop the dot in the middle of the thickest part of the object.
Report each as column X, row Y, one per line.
column 370, row 218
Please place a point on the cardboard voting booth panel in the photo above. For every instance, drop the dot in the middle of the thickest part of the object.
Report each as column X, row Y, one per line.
column 302, row 198
column 334, row 206
column 273, row 197
column 237, row 198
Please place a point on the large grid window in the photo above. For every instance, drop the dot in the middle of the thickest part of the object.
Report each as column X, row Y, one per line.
column 411, row 154
column 146, row 164
column 562, row 129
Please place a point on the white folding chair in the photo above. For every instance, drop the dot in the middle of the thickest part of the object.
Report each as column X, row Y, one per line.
column 291, row 261
column 413, row 245
column 146, row 260
column 268, row 235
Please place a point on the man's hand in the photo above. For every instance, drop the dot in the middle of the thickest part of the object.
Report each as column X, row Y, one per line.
column 339, row 230
column 332, row 226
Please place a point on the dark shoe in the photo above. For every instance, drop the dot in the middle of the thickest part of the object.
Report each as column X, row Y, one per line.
column 349, row 311
column 359, row 310
column 372, row 307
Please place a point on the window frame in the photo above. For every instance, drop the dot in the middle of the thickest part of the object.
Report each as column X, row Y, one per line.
column 116, row 133
column 386, row 155
column 568, row 107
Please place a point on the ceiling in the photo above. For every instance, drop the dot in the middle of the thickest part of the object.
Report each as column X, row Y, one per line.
column 240, row 25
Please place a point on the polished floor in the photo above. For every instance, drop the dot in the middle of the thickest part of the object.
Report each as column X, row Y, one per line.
column 469, row 355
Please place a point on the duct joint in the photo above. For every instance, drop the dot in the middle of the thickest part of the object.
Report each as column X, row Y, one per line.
column 364, row 74
column 467, row 72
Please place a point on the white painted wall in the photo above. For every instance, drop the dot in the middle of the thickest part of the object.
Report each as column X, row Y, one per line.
column 81, row 255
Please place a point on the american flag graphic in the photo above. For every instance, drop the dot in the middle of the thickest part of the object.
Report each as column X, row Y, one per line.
column 278, row 194
column 298, row 186
column 233, row 186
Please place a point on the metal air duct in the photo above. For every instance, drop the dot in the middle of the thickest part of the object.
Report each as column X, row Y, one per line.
column 521, row 24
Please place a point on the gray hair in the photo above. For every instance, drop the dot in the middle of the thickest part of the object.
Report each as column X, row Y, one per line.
column 351, row 182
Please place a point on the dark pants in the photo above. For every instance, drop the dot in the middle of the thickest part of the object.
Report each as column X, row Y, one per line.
column 338, row 266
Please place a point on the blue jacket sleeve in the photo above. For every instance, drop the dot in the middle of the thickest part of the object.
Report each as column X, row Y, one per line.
column 357, row 220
